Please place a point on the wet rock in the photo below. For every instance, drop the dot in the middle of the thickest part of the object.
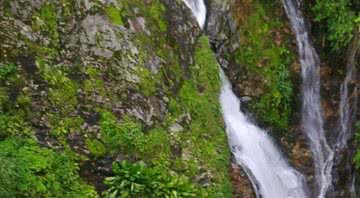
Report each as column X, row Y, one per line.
column 241, row 184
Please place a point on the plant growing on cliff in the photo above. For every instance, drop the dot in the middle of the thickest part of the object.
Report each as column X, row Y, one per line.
column 357, row 142
column 6, row 70
column 266, row 61
column 127, row 135
column 138, row 180
column 340, row 19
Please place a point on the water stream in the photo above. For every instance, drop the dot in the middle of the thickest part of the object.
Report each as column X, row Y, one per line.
column 255, row 151
column 312, row 122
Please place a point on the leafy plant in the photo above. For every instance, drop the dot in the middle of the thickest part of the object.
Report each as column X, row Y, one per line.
column 60, row 127
column 27, row 170
column 13, row 125
column 126, row 135
column 6, row 70
column 46, row 21
column 138, row 180
column 95, row 147
column 62, row 90
column 340, row 20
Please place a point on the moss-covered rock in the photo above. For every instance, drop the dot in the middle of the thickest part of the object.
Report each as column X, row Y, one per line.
column 106, row 80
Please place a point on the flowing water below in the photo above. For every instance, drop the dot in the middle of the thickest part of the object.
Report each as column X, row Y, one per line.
column 312, row 121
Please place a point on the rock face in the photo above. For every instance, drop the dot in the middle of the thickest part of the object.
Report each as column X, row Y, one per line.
column 111, row 81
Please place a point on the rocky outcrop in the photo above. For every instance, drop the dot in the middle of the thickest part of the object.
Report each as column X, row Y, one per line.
column 114, row 81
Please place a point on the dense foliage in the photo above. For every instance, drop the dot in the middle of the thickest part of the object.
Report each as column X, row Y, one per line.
column 339, row 18
column 27, row 170
column 138, row 180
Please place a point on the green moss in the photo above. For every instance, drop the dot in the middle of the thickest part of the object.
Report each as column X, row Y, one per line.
column 148, row 81
column 61, row 127
column 126, row 136
column 114, row 15
column 262, row 57
column 157, row 11
column 46, row 21
column 62, row 92
column 95, row 147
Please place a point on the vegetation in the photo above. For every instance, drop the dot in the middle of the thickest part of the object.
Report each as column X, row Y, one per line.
column 261, row 57
column 7, row 69
column 339, row 20
column 357, row 142
column 138, row 180
column 28, row 170
column 114, row 14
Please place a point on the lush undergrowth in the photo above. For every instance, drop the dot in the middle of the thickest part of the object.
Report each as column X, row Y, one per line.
column 338, row 21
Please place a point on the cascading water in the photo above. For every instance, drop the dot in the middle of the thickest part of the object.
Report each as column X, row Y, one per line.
column 198, row 9
column 312, row 122
column 349, row 96
column 348, row 108
column 253, row 149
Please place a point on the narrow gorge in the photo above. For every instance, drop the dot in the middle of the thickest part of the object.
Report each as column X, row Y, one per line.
column 179, row 98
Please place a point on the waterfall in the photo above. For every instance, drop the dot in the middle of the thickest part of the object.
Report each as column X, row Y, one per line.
column 198, row 9
column 312, row 122
column 252, row 148
column 347, row 111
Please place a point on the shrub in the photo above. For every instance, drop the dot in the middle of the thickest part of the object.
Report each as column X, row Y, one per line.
column 95, row 147
column 340, row 20
column 61, row 127
column 62, row 90
column 6, row 70
column 138, row 180
column 126, row 135
column 27, row 170
column 13, row 125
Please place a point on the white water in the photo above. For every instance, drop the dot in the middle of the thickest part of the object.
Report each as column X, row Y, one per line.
column 347, row 114
column 253, row 149
column 312, row 122
column 198, row 9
